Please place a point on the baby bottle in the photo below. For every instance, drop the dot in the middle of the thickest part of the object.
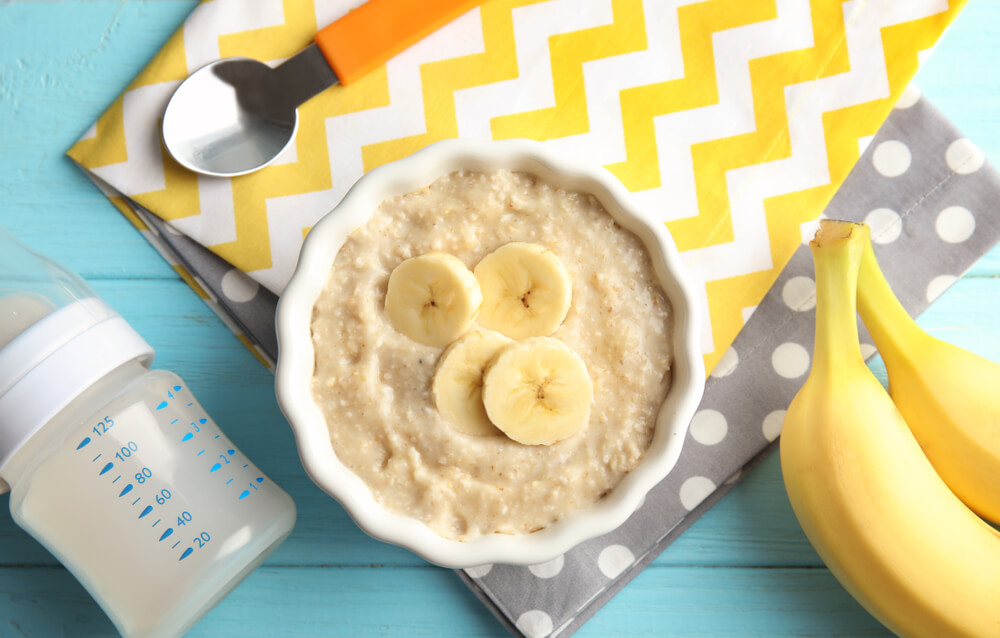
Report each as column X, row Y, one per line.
column 115, row 468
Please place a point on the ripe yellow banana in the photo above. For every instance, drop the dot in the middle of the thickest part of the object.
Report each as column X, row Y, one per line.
column 865, row 494
column 948, row 396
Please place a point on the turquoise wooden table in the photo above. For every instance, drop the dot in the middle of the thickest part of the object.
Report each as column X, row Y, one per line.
column 744, row 569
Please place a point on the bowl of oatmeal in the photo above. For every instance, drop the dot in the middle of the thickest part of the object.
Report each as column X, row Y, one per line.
column 488, row 353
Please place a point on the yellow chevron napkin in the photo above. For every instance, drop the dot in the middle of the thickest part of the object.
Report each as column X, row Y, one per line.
column 735, row 120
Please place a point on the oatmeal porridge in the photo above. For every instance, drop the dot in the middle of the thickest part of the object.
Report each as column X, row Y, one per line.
column 374, row 383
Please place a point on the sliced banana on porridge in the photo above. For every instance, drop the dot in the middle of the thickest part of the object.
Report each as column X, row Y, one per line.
column 386, row 408
column 526, row 290
column 433, row 298
column 537, row 391
column 458, row 381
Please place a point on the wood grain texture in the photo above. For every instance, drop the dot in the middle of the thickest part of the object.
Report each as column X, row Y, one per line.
column 423, row 601
column 744, row 569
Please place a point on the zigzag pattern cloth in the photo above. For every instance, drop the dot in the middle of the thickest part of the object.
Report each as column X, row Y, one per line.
column 734, row 121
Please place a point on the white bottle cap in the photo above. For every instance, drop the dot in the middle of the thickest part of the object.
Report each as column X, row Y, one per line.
column 54, row 360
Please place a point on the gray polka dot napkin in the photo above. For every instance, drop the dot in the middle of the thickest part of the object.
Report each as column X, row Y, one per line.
column 928, row 195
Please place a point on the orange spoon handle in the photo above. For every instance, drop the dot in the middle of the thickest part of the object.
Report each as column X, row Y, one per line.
column 379, row 29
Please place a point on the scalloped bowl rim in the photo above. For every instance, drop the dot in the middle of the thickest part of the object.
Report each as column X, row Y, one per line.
column 295, row 364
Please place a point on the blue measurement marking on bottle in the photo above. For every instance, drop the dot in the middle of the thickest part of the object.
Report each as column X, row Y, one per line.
column 162, row 405
column 166, row 534
column 174, row 421
column 246, row 465
column 217, row 435
column 125, row 490
column 187, row 437
column 147, row 510
column 260, row 479
column 136, row 500
column 243, row 495
column 200, row 453
column 187, row 552
column 175, row 544
column 106, row 469
column 95, row 458
column 216, row 467
column 117, row 478
column 157, row 522
column 84, row 442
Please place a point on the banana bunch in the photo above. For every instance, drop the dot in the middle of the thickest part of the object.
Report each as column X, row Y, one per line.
column 869, row 500
column 948, row 396
column 510, row 375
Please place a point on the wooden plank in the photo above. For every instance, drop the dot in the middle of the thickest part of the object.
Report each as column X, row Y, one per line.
column 427, row 601
column 957, row 77
column 698, row 603
column 752, row 526
column 61, row 65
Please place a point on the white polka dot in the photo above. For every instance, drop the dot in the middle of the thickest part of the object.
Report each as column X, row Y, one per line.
column 237, row 287
column 867, row 350
column 891, row 158
column 534, row 624
column 938, row 285
column 548, row 569
column 614, row 559
column 708, row 427
column 730, row 359
column 964, row 157
column 479, row 571
column 790, row 360
column 909, row 97
column 885, row 224
column 799, row 294
column 955, row 224
column 695, row 490
column 771, row 427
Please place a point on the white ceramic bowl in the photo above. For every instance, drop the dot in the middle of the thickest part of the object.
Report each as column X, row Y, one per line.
column 296, row 357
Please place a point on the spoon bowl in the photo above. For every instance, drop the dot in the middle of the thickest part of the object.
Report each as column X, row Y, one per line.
column 229, row 118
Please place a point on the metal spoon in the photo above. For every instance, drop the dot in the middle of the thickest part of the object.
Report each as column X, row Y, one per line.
column 236, row 115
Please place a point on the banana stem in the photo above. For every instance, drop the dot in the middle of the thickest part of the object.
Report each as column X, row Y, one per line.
column 885, row 317
column 837, row 250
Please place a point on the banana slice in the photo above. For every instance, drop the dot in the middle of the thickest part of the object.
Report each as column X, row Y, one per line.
column 537, row 391
column 458, row 381
column 526, row 290
column 433, row 298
